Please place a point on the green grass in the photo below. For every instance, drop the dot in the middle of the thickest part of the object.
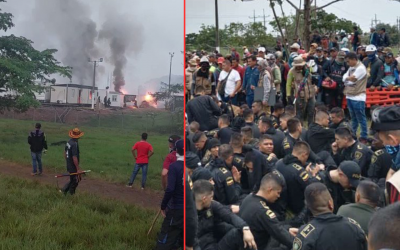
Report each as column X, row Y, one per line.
column 105, row 151
column 36, row 217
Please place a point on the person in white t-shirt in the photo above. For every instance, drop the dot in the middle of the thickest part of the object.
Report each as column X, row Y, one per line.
column 233, row 83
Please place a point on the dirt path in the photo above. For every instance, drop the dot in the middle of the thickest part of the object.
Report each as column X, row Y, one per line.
column 145, row 198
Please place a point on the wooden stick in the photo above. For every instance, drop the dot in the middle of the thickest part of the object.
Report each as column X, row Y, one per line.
column 154, row 221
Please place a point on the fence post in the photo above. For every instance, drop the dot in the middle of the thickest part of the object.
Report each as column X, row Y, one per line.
column 122, row 114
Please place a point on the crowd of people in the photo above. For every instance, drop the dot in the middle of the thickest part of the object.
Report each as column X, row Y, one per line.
column 272, row 160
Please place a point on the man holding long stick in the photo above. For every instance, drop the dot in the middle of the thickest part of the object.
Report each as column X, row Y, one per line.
column 71, row 155
column 172, row 228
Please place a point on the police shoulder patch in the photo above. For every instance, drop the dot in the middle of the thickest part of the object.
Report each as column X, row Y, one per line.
column 359, row 146
column 307, row 230
column 358, row 155
column 297, row 244
column 286, row 145
column 379, row 152
column 229, row 181
column 297, row 167
column 269, row 158
column 209, row 213
column 190, row 182
column 354, row 222
column 270, row 214
column 374, row 158
column 223, row 170
column 238, row 160
column 304, row 176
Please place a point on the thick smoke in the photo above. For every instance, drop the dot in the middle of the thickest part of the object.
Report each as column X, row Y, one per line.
column 69, row 25
column 124, row 37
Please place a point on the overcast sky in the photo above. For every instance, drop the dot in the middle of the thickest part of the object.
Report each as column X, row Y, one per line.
column 160, row 22
column 359, row 11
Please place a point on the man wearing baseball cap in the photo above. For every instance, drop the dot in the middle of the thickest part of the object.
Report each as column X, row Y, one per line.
column 71, row 155
column 391, row 74
column 342, row 183
column 203, row 77
column 171, row 158
column 171, row 233
column 374, row 67
column 334, row 71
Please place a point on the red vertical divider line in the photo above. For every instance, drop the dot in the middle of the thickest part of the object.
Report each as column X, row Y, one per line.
column 184, row 123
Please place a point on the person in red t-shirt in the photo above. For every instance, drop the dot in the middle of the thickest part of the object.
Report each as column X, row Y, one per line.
column 171, row 158
column 141, row 151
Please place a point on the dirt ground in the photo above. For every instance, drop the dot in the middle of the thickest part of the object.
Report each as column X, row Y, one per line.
column 149, row 199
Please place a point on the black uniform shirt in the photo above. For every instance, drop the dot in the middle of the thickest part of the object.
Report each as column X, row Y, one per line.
column 320, row 138
column 297, row 179
column 340, row 196
column 380, row 165
column 275, row 121
column 358, row 153
column 207, row 219
column 330, row 232
column 263, row 222
column 227, row 191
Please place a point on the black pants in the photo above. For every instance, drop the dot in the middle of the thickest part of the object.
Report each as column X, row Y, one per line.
column 171, row 234
column 232, row 240
column 71, row 185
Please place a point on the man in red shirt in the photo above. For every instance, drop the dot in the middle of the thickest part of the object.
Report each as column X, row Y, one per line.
column 171, row 158
column 236, row 66
column 141, row 151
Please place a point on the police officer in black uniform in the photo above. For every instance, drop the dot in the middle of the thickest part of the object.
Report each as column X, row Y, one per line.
column 257, row 212
column 297, row 177
column 327, row 230
column 319, row 136
column 210, row 213
column 226, row 177
column 71, row 155
column 345, row 148
column 239, row 152
column 338, row 119
column 256, row 167
column 380, row 162
column 266, row 127
column 266, row 147
column 201, row 143
column 342, row 183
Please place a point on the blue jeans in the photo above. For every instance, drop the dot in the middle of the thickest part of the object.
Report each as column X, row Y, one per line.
column 37, row 161
column 144, row 167
column 357, row 114
column 249, row 100
column 228, row 98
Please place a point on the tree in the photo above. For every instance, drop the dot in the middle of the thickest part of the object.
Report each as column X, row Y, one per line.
column 21, row 65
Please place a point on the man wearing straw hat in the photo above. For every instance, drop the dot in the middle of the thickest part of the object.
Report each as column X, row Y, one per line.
column 71, row 155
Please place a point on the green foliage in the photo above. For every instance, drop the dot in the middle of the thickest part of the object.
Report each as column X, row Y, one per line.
column 392, row 31
column 105, row 151
column 36, row 217
column 21, row 65
column 232, row 35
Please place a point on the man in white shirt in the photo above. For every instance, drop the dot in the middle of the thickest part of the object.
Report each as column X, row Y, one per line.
column 233, row 82
column 355, row 82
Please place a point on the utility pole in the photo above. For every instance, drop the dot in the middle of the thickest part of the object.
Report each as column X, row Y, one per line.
column 376, row 21
column 254, row 17
column 216, row 26
column 170, row 67
column 94, row 77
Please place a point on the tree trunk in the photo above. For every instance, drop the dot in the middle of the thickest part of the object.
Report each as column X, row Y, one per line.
column 307, row 32
column 272, row 4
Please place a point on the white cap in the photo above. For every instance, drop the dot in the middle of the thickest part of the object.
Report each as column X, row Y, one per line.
column 370, row 48
column 295, row 46
column 261, row 49
column 345, row 50
column 204, row 59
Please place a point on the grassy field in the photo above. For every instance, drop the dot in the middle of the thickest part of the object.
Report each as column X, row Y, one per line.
column 35, row 217
column 105, row 151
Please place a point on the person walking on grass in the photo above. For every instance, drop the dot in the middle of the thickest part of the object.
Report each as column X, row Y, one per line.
column 37, row 140
column 141, row 151
column 71, row 155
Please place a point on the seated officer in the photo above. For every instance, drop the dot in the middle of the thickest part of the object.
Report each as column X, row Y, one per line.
column 327, row 230
column 296, row 176
column 381, row 161
column 248, row 138
column 212, row 212
column 266, row 147
column 262, row 220
column 201, row 144
column 319, row 136
column 338, row 119
column 342, row 183
column 266, row 127
column 226, row 177
column 345, row 148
